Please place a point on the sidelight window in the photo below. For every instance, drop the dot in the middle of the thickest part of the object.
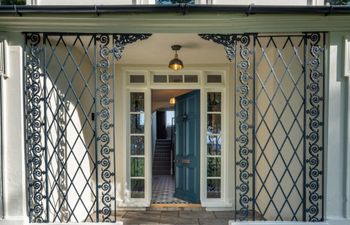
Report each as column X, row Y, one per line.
column 137, row 144
column 214, row 144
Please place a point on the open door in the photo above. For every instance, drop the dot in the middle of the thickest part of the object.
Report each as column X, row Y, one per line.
column 187, row 157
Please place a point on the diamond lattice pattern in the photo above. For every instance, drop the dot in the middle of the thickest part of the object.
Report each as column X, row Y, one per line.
column 70, row 88
column 279, row 121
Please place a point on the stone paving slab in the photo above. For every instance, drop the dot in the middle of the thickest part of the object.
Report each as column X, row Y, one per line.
column 185, row 217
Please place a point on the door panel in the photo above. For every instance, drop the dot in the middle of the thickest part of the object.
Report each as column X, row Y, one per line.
column 187, row 121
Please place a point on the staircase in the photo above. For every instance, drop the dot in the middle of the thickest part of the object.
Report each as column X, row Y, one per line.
column 162, row 156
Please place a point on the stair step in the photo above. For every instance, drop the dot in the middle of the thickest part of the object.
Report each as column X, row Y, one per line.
column 163, row 140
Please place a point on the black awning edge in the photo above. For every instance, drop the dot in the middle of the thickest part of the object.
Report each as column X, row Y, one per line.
column 180, row 8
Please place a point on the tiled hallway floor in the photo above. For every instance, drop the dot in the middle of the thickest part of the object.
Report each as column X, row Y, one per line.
column 163, row 189
column 175, row 217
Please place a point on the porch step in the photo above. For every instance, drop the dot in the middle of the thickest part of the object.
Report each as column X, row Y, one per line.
column 162, row 155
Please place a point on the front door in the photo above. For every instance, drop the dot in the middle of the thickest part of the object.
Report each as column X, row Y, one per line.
column 187, row 111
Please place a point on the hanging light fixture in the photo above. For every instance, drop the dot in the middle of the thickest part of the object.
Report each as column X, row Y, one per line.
column 176, row 63
column 172, row 101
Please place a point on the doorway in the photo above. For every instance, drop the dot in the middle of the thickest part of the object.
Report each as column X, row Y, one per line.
column 175, row 162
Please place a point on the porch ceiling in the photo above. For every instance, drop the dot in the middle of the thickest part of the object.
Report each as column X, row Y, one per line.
column 157, row 50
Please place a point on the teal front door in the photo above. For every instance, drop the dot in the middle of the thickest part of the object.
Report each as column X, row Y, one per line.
column 187, row 154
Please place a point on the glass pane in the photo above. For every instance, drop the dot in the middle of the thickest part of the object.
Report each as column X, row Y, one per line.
column 191, row 78
column 175, row 78
column 214, row 124
column 137, row 167
column 213, row 188
column 160, row 78
column 214, row 102
column 137, row 123
column 137, row 188
column 214, row 145
column 137, row 102
column 137, row 145
column 137, row 79
column 214, row 79
column 214, row 167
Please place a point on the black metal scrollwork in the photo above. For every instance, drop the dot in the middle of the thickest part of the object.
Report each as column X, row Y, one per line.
column 105, row 121
column 120, row 40
column 107, row 50
column 315, row 135
column 34, row 129
column 243, row 137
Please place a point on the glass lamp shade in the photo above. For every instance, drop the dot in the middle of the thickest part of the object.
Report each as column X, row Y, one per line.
column 176, row 64
column 172, row 101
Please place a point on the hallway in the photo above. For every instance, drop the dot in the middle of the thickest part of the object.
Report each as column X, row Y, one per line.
column 163, row 189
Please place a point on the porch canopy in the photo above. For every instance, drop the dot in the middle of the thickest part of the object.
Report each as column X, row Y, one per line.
column 181, row 18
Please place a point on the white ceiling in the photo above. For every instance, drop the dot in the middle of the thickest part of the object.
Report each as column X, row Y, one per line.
column 156, row 50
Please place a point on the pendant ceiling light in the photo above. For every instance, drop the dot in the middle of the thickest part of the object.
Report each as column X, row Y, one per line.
column 176, row 63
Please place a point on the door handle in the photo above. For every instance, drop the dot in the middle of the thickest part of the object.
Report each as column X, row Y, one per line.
column 186, row 161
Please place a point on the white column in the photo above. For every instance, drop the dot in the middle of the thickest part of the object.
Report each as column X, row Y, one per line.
column 337, row 171
column 347, row 116
column 13, row 151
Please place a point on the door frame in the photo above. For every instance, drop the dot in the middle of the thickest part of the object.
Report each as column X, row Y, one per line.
column 147, row 87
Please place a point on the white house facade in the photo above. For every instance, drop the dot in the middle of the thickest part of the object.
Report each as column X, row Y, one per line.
column 95, row 119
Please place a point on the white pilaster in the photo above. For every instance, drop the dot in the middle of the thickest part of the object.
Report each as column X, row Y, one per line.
column 13, row 146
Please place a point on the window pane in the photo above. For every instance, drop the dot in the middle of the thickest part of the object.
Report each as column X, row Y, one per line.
column 137, row 102
column 214, row 167
column 175, row 78
column 214, row 102
column 160, row 78
column 191, row 78
column 214, row 79
column 214, row 124
column 137, row 188
column 137, row 79
column 137, row 145
column 137, row 123
column 137, row 167
column 214, row 145
column 213, row 188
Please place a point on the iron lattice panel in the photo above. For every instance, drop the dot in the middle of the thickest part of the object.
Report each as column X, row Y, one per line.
column 279, row 124
column 69, row 108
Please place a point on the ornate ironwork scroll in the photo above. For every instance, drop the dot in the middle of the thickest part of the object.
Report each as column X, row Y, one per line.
column 227, row 40
column 314, row 131
column 279, row 106
column 120, row 40
column 243, row 67
column 70, row 161
column 244, row 132
column 34, row 127
column 110, row 50
column 105, row 130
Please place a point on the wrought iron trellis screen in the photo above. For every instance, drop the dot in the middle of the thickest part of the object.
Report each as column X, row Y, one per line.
column 279, row 124
column 69, row 119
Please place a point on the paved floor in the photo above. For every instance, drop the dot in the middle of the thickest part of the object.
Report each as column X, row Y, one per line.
column 175, row 217
column 163, row 189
